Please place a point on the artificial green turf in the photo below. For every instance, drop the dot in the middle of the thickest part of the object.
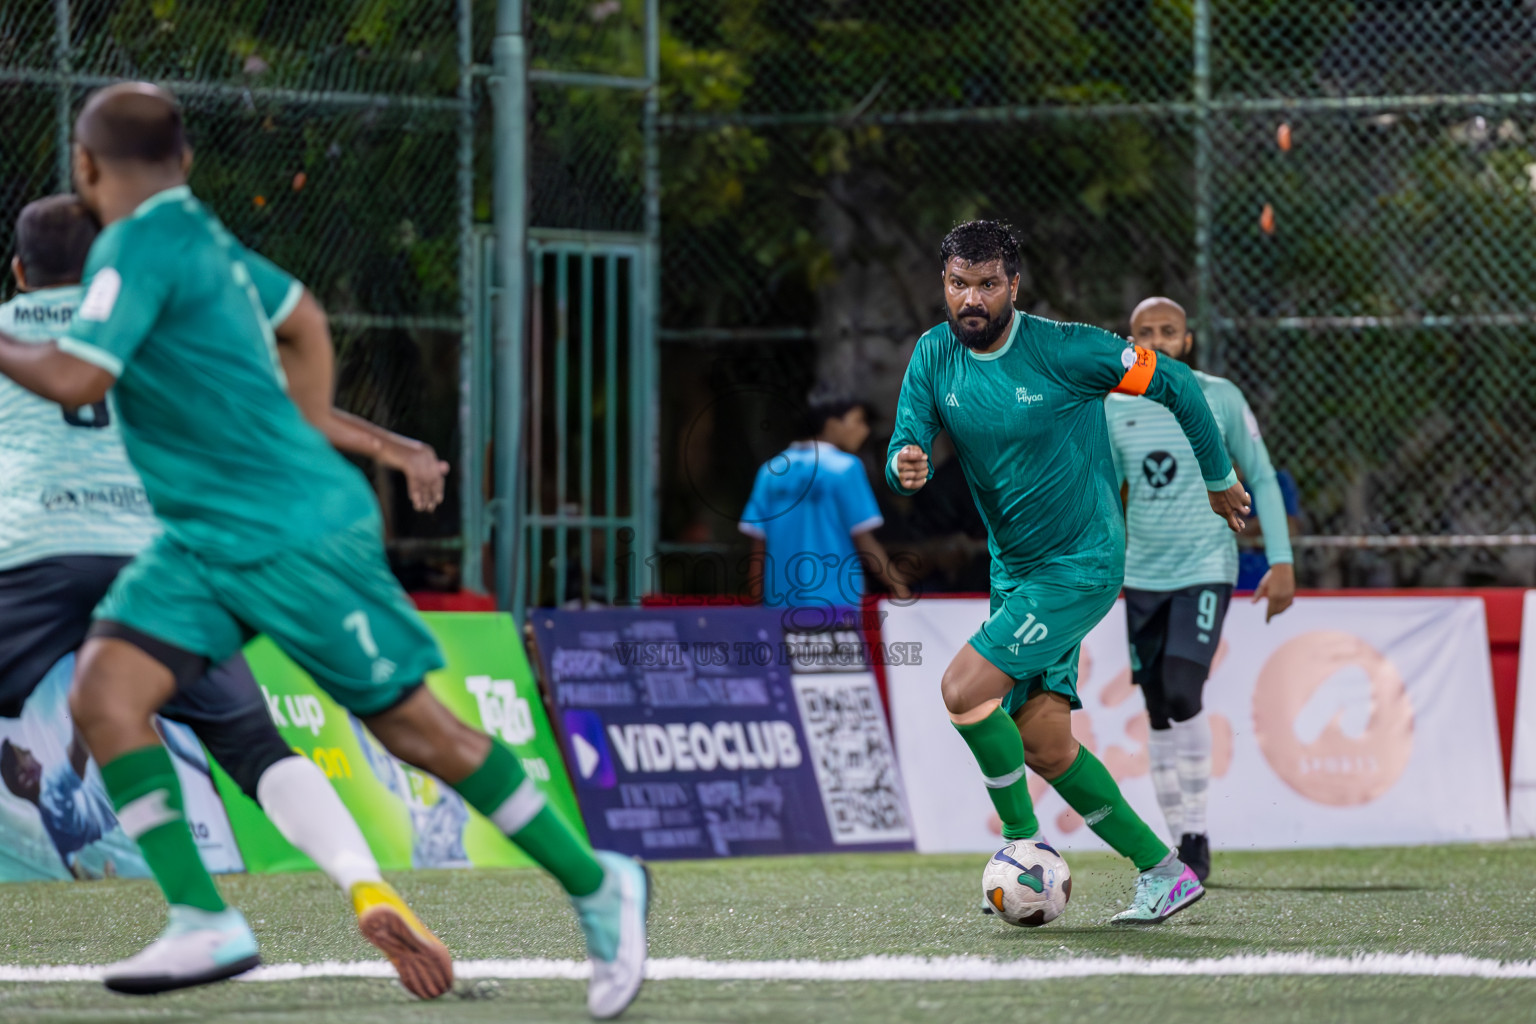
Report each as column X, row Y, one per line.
column 1473, row 900
column 1115, row 1000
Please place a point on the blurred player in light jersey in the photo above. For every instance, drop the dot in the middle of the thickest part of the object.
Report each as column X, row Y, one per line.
column 73, row 513
column 266, row 529
column 1022, row 400
column 1180, row 566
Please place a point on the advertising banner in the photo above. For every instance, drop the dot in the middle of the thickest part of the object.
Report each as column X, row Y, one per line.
column 1344, row 722
column 56, row 819
column 1522, row 782
column 410, row 819
column 709, row 732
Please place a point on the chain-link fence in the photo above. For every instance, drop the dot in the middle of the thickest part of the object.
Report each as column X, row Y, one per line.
column 1341, row 193
column 336, row 137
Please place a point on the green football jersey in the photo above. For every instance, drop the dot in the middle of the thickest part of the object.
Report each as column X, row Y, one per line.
column 1027, row 422
column 1170, row 544
column 181, row 314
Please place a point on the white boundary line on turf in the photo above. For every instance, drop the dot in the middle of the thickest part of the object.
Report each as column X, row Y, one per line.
column 887, row 968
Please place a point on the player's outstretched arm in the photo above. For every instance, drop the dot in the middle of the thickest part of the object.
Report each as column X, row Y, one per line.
column 308, row 357
column 1240, row 428
column 1171, row 384
column 1093, row 361
column 53, row 374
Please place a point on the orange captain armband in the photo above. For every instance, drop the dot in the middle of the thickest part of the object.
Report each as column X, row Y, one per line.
column 1140, row 364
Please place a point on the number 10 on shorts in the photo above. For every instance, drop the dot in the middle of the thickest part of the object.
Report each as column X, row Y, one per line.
column 1030, row 631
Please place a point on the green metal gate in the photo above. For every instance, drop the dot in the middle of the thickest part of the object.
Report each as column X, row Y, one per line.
column 586, row 516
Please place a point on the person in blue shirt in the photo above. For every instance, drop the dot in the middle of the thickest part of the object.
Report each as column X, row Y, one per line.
column 812, row 515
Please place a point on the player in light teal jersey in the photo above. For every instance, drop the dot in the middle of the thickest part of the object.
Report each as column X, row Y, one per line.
column 1021, row 398
column 1180, row 568
column 267, row 530
column 63, row 491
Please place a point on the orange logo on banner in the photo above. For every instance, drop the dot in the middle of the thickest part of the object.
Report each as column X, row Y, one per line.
column 1317, row 729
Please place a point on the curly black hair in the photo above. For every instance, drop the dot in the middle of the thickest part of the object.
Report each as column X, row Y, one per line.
column 982, row 241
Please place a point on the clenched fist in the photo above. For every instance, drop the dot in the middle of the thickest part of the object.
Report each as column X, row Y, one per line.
column 911, row 467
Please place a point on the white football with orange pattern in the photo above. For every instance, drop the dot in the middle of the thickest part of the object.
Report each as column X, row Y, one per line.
column 1027, row 883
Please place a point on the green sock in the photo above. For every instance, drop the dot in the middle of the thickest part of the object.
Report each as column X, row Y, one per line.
column 147, row 797
column 1000, row 753
column 1090, row 790
column 503, row 792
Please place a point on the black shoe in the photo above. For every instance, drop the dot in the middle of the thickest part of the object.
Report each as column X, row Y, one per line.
column 1195, row 851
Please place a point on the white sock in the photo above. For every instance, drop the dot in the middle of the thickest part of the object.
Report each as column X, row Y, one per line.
column 1165, row 778
column 300, row 801
column 1192, row 740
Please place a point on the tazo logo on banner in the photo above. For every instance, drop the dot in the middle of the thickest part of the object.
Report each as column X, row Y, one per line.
column 502, row 711
column 300, row 710
column 1333, row 718
column 700, row 747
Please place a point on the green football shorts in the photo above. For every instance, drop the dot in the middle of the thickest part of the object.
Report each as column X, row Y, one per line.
column 1035, row 631
column 333, row 606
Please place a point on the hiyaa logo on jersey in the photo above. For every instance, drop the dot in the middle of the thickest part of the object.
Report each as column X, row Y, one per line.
column 299, row 710
column 1027, row 397
column 502, row 711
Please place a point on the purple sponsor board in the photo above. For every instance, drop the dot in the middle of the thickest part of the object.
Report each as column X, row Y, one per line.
column 684, row 735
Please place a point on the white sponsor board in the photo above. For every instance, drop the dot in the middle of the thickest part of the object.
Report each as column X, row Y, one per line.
column 1344, row 722
column 1522, row 781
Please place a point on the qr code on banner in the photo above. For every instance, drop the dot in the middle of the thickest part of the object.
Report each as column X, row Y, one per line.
column 855, row 764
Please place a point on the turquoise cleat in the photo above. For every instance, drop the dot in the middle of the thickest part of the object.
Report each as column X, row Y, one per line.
column 1162, row 892
column 613, row 920
column 197, row 947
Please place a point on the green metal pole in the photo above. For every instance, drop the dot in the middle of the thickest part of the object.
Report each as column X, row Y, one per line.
column 1204, row 314
column 63, row 60
column 648, row 504
column 510, row 68
column 471, row 438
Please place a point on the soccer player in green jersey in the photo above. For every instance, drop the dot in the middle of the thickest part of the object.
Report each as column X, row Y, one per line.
column 1022, row 400
column 1180, row 566
column 266, row 529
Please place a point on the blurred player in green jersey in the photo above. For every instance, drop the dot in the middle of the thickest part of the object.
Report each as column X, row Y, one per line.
column 1180, row 566
column 265, row 529
column 1022, row 400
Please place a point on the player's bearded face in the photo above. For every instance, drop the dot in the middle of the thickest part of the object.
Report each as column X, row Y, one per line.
column 977, row 327
column 979, row 298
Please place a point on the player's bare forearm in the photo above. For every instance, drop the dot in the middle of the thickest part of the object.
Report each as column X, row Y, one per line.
column 424, row 471
column 309, row 360
column 876, row 558
column 53, row 374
